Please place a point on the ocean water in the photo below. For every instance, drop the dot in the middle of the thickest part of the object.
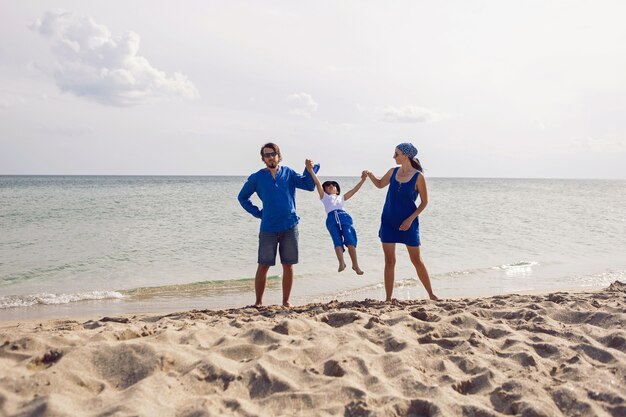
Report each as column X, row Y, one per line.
column 103, row 245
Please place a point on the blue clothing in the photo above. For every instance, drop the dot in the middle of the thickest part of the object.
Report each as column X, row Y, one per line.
column 339, row 225
column 277, row 195
column 400, row 204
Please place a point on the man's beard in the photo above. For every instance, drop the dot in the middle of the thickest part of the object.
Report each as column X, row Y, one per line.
column 271, row 165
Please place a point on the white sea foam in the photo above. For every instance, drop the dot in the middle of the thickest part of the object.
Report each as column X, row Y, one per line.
column 50, row 299
column 518, row 269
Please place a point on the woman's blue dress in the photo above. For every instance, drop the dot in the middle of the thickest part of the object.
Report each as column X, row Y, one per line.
column 400, row 204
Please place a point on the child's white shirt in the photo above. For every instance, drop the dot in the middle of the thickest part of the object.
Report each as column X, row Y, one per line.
column 332, row 202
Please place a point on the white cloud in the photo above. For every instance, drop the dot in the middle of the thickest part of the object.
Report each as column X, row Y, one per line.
column 409, row 114
column 65, row 131
column 93, row 63
column 608, row 145
column 11, row 101
column 302, row 104
column 335, row 68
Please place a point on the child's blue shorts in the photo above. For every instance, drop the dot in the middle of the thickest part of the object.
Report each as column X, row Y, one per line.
column 339, row 225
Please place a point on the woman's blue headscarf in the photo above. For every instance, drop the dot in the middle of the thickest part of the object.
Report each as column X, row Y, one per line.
column 408, row 149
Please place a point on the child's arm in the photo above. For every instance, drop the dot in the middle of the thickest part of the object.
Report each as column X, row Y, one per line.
column 318, row 185
column 356, row 188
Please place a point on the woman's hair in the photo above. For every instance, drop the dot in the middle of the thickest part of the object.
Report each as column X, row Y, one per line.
column 415, row 163
column 327, row 183
column 410, row 151
column 275, row 147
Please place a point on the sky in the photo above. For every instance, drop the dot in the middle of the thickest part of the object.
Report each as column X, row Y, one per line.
column 511, row 89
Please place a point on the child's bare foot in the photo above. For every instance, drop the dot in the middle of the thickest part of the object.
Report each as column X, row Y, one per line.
column 342, row 266
column 357, row 270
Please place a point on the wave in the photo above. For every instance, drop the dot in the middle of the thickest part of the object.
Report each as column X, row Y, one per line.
column 519, row 269
column 29, row 300
column 520, row 264
column 508, row 269
column 194, row 289
column 202, row 288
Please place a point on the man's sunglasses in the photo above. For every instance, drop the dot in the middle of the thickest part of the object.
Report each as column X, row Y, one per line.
column 269, row 154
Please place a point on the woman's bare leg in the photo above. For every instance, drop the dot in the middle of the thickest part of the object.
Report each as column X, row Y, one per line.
column 389, row 249
column 420, row 268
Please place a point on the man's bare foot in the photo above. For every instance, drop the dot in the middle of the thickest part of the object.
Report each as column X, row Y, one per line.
column 286, row 304
column 433, row 297
column 357, row 270
column 258, row 304
column 342, row 266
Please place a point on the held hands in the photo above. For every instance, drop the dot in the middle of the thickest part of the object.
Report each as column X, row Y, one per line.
column 308, row 163
column 364, row 174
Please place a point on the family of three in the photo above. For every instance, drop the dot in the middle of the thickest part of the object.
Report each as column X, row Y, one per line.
column 275, row 185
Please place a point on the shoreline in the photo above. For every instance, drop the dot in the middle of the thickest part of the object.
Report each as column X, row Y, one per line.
column 88, row 309
column 556, row 354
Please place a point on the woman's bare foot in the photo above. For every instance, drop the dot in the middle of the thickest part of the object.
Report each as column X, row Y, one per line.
column 357, row 270
column 433, row 297
column 286, row 304
column 342, row 266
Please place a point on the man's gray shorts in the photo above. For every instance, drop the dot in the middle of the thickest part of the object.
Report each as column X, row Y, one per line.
column 286, row 242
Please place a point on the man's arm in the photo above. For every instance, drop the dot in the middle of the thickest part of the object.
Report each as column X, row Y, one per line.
column 246, row 192
column 305, row 181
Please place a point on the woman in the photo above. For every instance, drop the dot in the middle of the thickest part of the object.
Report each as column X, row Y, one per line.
column 399, row 221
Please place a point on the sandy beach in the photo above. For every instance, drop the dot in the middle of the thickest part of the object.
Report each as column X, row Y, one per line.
column 558, row 354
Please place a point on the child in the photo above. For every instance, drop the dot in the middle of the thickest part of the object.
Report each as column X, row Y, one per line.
column 338, row 222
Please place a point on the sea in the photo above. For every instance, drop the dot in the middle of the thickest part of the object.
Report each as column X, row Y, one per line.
column 89, row 246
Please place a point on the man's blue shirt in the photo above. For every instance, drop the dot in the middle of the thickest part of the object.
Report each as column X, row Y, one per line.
column 277, row 195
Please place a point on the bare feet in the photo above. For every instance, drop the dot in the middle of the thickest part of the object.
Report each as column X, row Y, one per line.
column 286, row 304
column 433, row 297
column 357, row 270
column 342, row 266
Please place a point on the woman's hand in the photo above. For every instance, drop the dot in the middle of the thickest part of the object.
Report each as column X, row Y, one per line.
column 406, row 224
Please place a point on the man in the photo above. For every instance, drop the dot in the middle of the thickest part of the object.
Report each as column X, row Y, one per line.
column 276, row 187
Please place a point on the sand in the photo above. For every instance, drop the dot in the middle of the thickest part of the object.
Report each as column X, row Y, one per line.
column 558, row 354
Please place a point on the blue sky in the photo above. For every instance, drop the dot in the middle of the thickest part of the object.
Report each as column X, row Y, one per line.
column 482, row 88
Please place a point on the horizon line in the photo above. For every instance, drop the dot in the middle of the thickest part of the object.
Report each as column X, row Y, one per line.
column 339, row 176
